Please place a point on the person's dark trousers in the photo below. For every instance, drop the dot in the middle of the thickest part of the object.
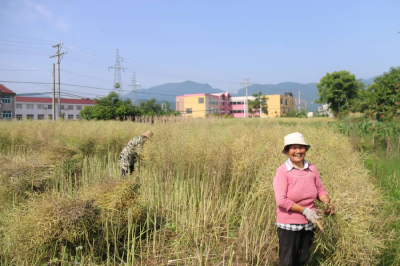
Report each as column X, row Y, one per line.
column 131, row 168
column 294, row 247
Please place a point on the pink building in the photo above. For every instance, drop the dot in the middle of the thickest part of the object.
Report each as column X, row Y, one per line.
column 238, row 107
column 224, row 102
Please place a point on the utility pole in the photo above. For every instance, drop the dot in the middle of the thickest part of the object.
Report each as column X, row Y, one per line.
column 135, row 86
column 299, row 92
column 246, row 106
column 117, row 74
column 58, row 46
column 53, row 110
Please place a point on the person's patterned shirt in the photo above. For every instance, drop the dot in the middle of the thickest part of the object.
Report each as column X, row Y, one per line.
column 130, row 153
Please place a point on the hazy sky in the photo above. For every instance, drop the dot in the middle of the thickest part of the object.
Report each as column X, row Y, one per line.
column 214, row 42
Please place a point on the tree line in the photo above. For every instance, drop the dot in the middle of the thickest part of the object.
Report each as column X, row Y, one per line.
column 113, row 107
column 344, row 94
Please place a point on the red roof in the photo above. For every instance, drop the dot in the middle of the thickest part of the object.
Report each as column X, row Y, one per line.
column 5, row 89
column 20, row 99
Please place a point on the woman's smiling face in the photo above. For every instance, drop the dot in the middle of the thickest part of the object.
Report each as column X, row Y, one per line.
column 296, row 152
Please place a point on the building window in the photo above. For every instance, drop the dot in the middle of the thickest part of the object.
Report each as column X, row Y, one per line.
column 70, row 116
column 79, row 107
column 50, row 106
column 18, row 106
column 201, row 100
column 70, row 107
column 29, row 106
column 285, row 101
column 40, row 117
column 78, row 117
column 188, row 110
column 6, row 99
column 281, row 101
column 40, row 106
column 62, row 107
column 30, row 116
column 19, row 117
column 6, row 114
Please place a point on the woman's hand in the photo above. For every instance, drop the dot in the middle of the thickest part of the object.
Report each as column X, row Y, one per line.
column 310, row 215
column 329, row 209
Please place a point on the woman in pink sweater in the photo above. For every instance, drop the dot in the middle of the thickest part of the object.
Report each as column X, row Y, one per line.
column 297, row 185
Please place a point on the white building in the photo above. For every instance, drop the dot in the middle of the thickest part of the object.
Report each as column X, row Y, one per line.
column 39, row 108
column 324, row 110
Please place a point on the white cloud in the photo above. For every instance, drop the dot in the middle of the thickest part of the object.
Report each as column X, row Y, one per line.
column 30, row 11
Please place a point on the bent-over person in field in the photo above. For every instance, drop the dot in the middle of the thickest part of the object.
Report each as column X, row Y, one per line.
column 131, row 153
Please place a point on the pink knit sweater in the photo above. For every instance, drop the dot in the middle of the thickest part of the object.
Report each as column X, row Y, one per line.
column 296, row 186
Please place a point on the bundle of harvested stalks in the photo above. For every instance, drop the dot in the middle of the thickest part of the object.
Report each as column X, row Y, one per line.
column 34, row 230
column 116, row 199
column 24, row 175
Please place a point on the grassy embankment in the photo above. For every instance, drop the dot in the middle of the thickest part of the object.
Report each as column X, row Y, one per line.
column 203, row 195
column 380, row 144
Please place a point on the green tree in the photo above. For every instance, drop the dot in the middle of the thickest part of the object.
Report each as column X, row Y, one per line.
column 151, row 108
column 362, row 103
column 385, row 94
column 110, row 107
column 259, row 103
column 337, row 89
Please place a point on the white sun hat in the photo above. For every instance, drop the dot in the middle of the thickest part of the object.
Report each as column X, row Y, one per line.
column 295, row 138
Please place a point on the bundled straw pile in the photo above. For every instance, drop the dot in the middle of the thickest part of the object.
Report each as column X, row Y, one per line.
column 45, row 224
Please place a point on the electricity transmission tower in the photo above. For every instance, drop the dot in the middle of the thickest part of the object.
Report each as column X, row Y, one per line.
column 117, row 87
column 135, row 86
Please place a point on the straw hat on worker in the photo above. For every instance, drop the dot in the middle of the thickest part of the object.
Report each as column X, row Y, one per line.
column 148, row 134
column 295, row 138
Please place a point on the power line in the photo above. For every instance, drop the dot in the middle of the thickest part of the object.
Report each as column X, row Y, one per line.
column 144, row 68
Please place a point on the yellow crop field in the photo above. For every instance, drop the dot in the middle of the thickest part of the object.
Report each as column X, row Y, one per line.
column 202, row 194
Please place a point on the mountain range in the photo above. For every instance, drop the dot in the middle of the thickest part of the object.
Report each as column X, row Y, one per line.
column 168, row 92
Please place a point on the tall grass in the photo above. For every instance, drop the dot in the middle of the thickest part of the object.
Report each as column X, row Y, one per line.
column 205, row 188
column 380, row 144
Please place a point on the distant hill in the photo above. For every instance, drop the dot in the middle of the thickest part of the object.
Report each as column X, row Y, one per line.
column 369, row 81
column 168, row 92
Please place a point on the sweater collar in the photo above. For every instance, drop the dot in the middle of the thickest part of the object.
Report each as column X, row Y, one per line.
column 289, row 165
